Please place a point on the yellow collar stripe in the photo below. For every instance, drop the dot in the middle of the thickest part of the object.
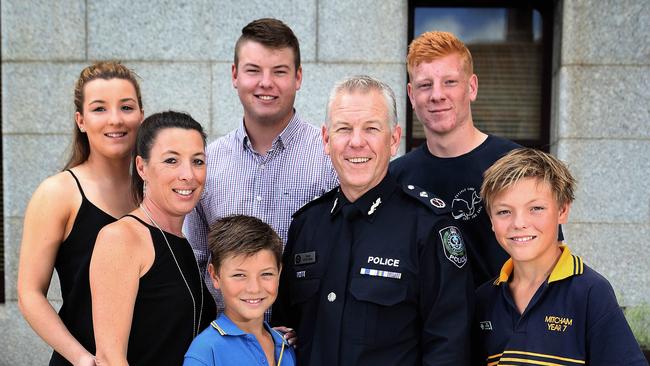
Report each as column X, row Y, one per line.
column 568, row 265
column 218, row 328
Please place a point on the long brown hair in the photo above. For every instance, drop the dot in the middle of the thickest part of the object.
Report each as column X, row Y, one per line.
column 100, row 70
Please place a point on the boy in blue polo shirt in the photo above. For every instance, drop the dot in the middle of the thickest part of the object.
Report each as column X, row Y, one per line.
column 546, row 307
column 245, row 266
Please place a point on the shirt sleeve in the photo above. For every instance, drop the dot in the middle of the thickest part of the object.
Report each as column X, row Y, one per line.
column 196, row 230
column 446, row 302
column 609, row 338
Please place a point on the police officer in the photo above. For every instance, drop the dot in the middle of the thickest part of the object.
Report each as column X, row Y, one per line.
column 374, row 273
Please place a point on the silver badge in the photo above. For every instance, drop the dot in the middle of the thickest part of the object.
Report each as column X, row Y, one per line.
column 424, row 194
column 437, row 202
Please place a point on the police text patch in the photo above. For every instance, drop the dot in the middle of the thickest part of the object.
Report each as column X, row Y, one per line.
column 453, row 246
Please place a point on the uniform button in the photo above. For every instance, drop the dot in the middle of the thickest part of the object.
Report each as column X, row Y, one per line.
column 331, row 297
column 262, row 166
column 410, row 186
column 259, row 198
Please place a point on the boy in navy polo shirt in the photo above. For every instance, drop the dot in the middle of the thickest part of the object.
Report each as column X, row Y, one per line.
column 546, row 307
column 245, row 266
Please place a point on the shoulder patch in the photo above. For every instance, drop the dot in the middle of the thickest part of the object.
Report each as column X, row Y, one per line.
column 453, row 246
column 316, row 200
column 435, row 203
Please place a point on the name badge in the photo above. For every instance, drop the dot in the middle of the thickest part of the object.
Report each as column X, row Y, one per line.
column 304, row 258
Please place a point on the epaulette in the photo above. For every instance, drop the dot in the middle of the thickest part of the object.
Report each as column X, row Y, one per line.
column 435, row 203
column 316, row 200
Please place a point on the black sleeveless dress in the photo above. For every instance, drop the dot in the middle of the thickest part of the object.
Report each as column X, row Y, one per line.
column 161, row 329
column 72, row 264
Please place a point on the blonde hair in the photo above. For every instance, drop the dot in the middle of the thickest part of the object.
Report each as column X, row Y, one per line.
column 528, row 163
column 434, row 45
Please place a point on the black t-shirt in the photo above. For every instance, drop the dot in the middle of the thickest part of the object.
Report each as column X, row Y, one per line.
column 458, row 181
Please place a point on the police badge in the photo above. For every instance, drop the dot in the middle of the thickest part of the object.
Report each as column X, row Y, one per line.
column 453, row 246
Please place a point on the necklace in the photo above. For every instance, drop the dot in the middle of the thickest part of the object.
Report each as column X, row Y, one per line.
column 195, row 325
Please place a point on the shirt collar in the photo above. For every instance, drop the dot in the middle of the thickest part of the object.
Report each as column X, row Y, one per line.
column 568, row 265
column 285, row 138
column 370, row 202
column 226, row 327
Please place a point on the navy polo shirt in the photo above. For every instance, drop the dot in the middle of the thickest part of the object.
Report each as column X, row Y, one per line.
column 572, row 319
column 224, row 344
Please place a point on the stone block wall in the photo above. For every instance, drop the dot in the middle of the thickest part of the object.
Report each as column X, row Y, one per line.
column 183, row 52
column 601, row 118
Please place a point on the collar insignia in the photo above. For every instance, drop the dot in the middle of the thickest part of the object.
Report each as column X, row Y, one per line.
column 334, row 205
column 374, row 206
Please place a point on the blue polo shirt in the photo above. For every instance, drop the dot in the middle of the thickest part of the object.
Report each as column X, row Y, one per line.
column 224, row 344
column 572, row 319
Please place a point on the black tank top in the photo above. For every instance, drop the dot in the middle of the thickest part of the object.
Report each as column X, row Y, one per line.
column 161, row 329
column 72, row 264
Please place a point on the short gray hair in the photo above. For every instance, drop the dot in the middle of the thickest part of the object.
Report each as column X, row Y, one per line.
column 364, row 83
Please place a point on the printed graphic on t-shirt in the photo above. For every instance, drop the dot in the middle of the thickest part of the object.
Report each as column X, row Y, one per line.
column 466, row 204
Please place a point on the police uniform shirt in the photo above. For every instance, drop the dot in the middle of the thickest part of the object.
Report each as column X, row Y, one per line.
column 572, row 319
column 458, row 182
column 381, row 281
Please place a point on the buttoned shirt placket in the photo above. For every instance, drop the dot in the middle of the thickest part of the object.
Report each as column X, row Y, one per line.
column 261, row 197
column 334, row 290
column 520, row 321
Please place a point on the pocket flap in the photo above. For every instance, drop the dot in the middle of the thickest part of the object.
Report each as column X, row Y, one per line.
column 381, row 291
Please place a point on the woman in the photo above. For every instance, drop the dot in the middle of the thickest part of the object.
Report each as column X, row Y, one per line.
column 149, row 299
column 68, row 209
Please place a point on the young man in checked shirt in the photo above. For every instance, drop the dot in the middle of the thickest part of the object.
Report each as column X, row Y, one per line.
column 273, row 163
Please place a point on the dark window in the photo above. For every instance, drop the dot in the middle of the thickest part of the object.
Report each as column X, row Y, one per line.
column 511, row 45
